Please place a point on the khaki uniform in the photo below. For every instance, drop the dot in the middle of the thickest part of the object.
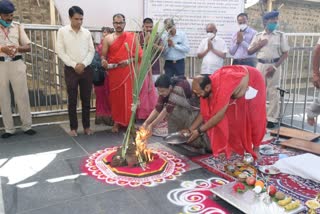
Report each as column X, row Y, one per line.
column 273, row 50
column 14, row 72
column 314, row 109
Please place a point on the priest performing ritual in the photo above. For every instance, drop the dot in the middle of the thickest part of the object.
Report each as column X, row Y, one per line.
column 233, row 109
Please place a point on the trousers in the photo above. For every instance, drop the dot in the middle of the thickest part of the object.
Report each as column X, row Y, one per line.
column 273, row 96
column 14, row 72
column 84, row 82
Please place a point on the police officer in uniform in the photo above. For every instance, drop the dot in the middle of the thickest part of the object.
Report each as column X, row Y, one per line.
column 271, row 47
column 13, row 42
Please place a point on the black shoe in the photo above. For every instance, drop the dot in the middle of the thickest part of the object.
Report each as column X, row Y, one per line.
column 271, row 125
column 6, row 135
column 30, row 132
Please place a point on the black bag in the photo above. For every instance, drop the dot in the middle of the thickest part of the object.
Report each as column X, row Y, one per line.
column 99, row 72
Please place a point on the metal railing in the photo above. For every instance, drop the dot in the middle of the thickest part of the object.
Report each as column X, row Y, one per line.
column 297, row 79
column 45, row 72
column 48, row 91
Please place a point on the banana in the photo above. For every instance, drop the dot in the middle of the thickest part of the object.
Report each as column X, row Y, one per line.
column 284, row 202
column 292, row 206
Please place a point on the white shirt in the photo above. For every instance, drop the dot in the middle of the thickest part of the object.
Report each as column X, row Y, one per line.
column 211, row 62
column 74, row 47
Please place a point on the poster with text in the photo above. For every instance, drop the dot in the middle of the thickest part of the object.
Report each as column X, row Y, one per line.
column 192, row 16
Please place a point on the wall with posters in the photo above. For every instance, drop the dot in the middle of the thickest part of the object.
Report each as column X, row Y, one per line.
column 192, row 16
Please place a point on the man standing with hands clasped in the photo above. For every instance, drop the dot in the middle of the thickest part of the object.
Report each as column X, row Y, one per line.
column 241, row 41
column 13, row 42
column 212, row 50
column 75, row 48
column 176, row 47
column 272, row 49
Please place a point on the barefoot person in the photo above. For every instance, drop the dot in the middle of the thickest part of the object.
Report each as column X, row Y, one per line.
column 232, row 106
column 75, row 48
column 119, row 49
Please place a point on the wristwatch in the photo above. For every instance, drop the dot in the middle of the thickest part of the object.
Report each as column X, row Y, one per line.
column 199, row 131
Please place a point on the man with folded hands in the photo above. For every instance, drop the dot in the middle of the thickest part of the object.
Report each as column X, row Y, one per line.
column 13, row 42
column 271, row 47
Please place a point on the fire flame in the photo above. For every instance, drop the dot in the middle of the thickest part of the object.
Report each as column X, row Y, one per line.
column 142, row 135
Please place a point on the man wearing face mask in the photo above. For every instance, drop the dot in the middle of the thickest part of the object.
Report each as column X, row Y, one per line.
column 212, row 50
column 241, row 41
column 271, row 47
column 13, row 42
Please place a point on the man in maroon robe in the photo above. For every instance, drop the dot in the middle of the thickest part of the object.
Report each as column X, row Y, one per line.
column 233, row 109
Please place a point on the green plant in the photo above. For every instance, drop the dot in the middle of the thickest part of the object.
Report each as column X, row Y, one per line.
column 140, row 72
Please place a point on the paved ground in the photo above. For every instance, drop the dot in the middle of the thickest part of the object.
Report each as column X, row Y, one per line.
column 41, row 175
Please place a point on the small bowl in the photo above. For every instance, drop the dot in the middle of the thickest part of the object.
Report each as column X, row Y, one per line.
column 242, row 177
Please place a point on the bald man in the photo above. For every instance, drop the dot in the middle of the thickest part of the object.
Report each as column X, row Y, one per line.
column 212, row 50
column 233, row 111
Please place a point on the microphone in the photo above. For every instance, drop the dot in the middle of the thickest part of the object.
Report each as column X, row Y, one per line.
column 283, row 90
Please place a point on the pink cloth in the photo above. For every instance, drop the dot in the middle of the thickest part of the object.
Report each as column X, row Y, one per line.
column 102, row 93
column 102, row 99
column 148, row 98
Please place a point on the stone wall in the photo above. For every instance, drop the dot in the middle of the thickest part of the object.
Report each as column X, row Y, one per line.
column 32, row 11
column 295, row 16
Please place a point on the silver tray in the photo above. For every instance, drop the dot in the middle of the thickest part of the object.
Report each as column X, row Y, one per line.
column 269, row 169
column 266, row 150
column 175, row 138
column 249, row 202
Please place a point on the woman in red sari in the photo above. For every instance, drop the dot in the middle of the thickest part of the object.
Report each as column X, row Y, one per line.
column 233, row 109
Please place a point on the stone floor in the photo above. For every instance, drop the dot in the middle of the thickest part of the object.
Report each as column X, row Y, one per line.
column 41, row 174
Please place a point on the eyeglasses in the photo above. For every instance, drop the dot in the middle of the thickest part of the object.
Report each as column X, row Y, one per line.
column 118, row 23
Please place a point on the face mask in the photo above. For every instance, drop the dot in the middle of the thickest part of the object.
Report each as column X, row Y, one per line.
column 243, row 27
column 210, row 35
column 4, row 23
column 272, row 26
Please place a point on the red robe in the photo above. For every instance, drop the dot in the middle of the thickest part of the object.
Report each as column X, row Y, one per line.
column 121, row 79
column 244, row 123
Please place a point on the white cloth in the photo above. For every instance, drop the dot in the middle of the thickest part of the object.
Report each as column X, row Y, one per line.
column 305, row 166
column 251, row 93
column 75, row 47
column 319, row 41
column 212, row 62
